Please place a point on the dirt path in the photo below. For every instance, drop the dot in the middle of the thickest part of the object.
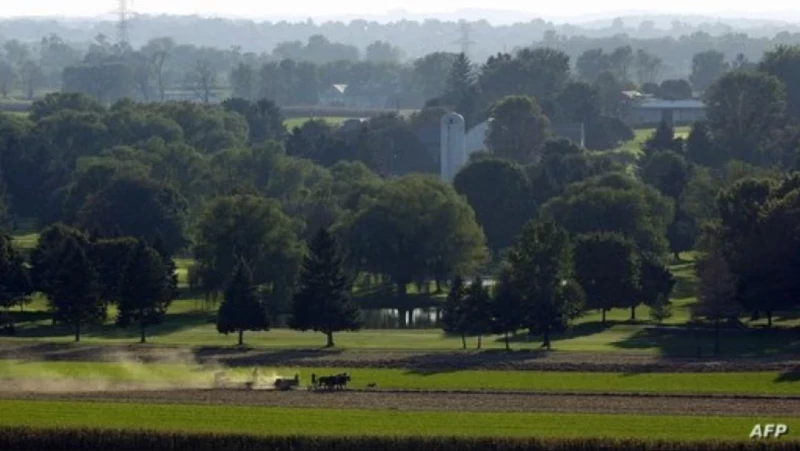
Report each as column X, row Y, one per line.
column 420, row 360
column 416, row 401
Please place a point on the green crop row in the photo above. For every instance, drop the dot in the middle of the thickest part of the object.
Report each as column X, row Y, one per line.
column 23, row 439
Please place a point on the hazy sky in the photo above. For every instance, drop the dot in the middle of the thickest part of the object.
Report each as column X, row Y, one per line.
column 775, row 9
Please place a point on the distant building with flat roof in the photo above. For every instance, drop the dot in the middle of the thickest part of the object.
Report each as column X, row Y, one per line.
column 653, row 111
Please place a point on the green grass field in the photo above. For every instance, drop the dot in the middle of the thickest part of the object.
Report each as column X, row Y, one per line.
column 760, row 383
column 298, row 121
column 642, row 134
column 271, row 421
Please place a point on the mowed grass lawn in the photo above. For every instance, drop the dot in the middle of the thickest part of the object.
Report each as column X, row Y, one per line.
column 761, row 383
column 292, row 421
column 643, row 134
column 299, row 121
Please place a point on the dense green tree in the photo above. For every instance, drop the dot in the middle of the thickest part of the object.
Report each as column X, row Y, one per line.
column 783, row 62
column 507, row 311
column 144, row 290
column 591, row 64
column 518, row 129
column 744, row 109
column 614, row 203
column 6, row 77
column 499, row 193
column 45, row 256
column 323, row 301
column 607, row 267
column 700, row 149
column 478, row 309
column 417, row 228
column 663, row 139
column 242, row 309
column 74, row 292
column 430, row 73
column 681, row 233
column 541, row 275
column 170, row 268
column 716, row 293
column 454, row 317
column 666, row 171
column 58, row 101
column 110, row 256
column 656, row 280
column 253, row 229
column 106, row 81
column 139, row 208
column 707, row 67
column 675, row 90
column 579, row 102
column 459, row 79
column 15, row 282
column 264, row 118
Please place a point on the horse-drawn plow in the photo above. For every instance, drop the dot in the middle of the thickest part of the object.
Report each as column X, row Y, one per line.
column 258, row 382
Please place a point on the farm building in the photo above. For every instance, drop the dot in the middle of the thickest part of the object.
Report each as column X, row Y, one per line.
column 359, row 96
column 650, row 111
column 474, row 140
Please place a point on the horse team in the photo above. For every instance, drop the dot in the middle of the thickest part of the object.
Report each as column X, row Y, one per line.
column 336, row 382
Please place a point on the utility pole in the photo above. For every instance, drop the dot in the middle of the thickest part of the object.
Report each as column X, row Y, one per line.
column 465, row 41
column 123, row 37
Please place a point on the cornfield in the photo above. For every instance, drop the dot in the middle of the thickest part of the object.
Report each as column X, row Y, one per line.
column 24, row 439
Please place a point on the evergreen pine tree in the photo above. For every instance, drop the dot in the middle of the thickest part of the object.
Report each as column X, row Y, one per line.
column 478, row 309
column 323, row 302
column 75, row 290
column 542, row 273
column 506, row 308
column 662, row 139
column 144, row 291
column 459, row 80
column 453, row 314
column 241, row 308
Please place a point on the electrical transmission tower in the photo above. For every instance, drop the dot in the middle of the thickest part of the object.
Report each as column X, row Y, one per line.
column 123, row 37
column 466, row 41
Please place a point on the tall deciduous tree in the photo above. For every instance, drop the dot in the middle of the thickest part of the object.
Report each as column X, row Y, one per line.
column 254, row 229
column 607, row 267
column 744, row 110
column 500, row 194
column 784, row 63
column 518, row 129
column 241, row 308
column 145, row 292
column 707, row 67
column 138, row 207
column 323, row 302
column 542, row 274
column 716, row 292
column 75, row 292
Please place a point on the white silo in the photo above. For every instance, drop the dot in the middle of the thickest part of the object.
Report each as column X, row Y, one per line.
column 453, row 149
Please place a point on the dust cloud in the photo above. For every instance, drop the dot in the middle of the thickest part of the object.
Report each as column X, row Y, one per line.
column 124, row 372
